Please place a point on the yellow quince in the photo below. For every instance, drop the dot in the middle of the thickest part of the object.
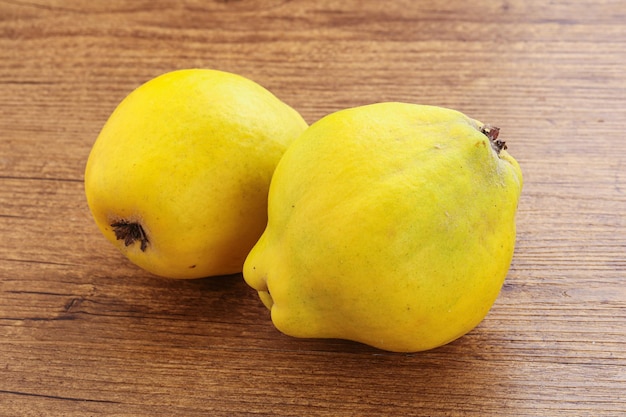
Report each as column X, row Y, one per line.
column 391, row 224
column 179, row 175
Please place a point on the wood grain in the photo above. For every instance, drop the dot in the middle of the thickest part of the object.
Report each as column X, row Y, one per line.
column 83, row 332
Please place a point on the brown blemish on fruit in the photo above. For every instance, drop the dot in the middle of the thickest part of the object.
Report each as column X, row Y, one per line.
column 130, row 232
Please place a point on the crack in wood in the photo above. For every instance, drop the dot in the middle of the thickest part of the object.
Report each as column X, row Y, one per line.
column 57, row 397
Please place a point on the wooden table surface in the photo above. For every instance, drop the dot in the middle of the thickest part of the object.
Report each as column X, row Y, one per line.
column 83, row 332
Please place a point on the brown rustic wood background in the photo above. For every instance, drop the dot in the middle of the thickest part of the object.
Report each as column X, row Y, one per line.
column 84, row 333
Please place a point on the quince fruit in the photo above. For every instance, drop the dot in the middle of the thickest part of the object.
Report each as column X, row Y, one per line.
column 391, row 224
column 179, row 175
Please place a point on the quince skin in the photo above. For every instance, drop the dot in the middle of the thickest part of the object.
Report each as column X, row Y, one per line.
column 390, row 224
column 179, row 175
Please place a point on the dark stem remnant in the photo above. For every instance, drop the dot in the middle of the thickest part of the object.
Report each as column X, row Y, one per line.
column 492, row 133
column 129, row 233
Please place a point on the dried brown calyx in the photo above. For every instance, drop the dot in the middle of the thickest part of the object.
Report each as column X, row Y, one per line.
column 492, row 133
column 130, row 232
